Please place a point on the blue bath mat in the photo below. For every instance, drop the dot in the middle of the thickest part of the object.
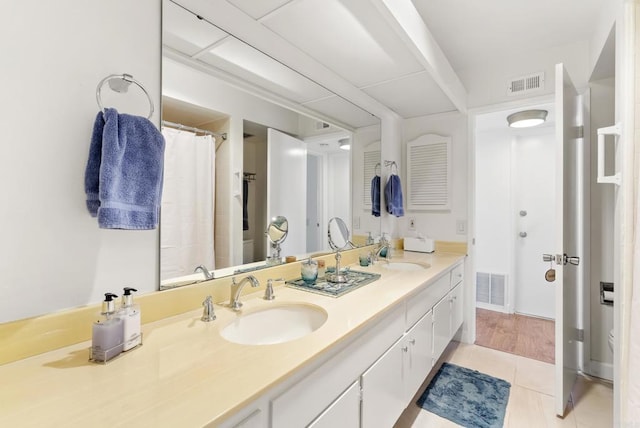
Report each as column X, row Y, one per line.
column 467, row 397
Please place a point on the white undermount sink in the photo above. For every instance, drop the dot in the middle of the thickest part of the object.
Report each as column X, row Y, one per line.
column 275, row 324
column 405, row 266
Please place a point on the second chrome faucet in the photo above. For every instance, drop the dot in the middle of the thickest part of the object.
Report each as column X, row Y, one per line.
column 236, row 288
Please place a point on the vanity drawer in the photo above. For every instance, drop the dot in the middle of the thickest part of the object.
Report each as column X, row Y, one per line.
column 457, row 275
column 424, row 300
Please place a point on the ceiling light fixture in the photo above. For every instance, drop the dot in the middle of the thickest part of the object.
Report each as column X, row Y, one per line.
column 527, row 118
column 344, row 144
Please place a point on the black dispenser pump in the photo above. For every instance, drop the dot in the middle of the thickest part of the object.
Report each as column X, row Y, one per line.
column 108, row 305
column 127, row 297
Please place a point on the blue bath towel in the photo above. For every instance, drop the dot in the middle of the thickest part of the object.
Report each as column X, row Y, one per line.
column 123, row 179
column 375, row 196
column 393, row 196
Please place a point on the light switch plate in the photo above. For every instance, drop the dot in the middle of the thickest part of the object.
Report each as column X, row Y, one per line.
column 461, row 227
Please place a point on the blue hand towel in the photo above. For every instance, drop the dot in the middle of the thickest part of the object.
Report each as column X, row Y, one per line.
column 393, row 196
column 123, row 179
column 245, row 204
column 375, row 196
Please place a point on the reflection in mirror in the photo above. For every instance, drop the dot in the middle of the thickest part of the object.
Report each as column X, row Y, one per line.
column 338, row 240
column 291, row 161
column 276, row 232
column 339, row 235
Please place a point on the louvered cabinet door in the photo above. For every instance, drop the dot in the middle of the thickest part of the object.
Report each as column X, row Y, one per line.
column 429, row 173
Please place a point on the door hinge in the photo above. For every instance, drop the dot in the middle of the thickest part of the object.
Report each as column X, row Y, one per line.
column 580, row 335
column 361, row 393
column 580, row 131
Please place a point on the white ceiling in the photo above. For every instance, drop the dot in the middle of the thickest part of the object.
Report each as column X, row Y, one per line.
column 363, row 50
column 471, row 32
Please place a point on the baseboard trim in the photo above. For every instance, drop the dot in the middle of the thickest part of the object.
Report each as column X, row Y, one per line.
column 600, row 369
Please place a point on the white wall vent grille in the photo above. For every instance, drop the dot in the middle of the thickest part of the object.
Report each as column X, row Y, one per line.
column 526, row 84
column 371, row 159
column 491, row 288
column 429, row 173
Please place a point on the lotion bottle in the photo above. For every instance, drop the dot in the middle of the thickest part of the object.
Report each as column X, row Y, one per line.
column 130, row 315
column 107, row 334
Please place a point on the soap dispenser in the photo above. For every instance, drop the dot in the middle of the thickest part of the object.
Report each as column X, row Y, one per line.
column 107, row 333
column 130, row 315
column 369, row 239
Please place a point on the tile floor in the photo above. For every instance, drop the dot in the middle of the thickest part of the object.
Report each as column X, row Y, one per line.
column 531, row 397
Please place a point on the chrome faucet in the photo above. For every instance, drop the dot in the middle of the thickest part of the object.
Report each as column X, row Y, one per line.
column 205, row 271
column 236, row 288
column 208, row 314
column 376, row 253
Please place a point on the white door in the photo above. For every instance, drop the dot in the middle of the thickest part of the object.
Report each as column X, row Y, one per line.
column 534, row 203
column 569, row 188
column 383, row 398
column 287, row 188
column 314, row 203
column 344, row 412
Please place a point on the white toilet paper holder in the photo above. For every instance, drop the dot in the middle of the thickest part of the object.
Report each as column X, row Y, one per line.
column 606, row 293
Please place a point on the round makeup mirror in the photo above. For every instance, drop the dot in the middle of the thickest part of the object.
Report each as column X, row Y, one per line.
column 339, row 234
column 277, row 232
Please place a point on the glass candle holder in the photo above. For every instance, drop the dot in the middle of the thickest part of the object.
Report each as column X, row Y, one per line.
column 309, row 271
column 364, row 259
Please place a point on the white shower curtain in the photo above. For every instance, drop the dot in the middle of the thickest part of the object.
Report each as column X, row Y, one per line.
column 187, row 216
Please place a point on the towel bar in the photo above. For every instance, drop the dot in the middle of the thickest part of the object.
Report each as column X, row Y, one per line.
column 120, row 83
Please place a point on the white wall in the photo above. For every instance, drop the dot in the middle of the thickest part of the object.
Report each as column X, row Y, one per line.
column 439, row 225
column 54, row 54
column 493, row 202
column 602, row 218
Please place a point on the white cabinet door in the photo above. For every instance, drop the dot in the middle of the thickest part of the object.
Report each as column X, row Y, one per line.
column 456, row 308
column 383, row 398
column 441, row 326
column 344, row 412
column 419, row 342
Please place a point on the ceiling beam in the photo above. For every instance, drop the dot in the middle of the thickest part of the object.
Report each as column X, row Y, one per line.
column 242, row 26
column 403, row 17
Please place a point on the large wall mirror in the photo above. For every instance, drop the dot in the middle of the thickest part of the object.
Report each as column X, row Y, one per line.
column 250, row 139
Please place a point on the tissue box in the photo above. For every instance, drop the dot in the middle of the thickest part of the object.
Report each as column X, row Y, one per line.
column 420, row 245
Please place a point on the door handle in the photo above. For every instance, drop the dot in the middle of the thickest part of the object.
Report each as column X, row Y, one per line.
column 570, row 260
column 548, row 257
column 523, row 234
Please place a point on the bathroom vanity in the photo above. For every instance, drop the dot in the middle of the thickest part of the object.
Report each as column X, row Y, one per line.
column 366, row 360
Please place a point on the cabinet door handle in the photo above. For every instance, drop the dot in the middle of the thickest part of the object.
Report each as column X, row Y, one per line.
column 412, row 341
column 405, row 349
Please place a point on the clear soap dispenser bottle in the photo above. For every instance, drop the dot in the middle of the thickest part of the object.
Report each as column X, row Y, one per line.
column 107, row 335
column 369, row 239
column 130, row 315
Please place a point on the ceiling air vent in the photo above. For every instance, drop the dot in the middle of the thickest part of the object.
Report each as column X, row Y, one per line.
column 525, row 84
column 321, row 125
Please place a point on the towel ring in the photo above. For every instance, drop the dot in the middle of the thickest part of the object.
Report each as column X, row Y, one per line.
column 120, row 83
column 376, row 169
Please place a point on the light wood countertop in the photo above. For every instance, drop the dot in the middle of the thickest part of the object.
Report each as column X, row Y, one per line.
column 186, row 374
